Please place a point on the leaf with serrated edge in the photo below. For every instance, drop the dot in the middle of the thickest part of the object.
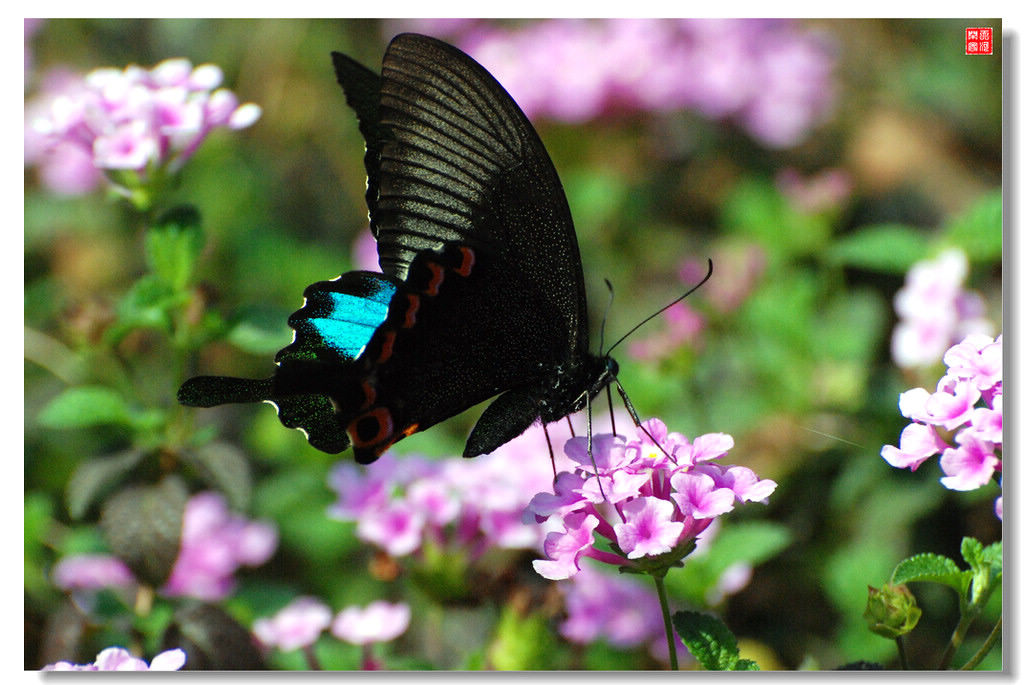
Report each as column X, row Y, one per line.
column 931, row 567
column 708, row 640
column 93, row 477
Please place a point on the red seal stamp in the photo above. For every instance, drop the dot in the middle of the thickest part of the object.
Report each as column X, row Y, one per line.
column 978, row 41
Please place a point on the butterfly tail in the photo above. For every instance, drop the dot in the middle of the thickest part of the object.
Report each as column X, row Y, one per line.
column 210, row 391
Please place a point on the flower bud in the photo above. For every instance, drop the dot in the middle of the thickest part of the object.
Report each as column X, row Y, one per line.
column 891, row 611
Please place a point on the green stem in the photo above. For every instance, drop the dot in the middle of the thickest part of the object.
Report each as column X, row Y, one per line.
column 990, row 642
column 311, row 660
column 904, row 664
column 956, row 640
column 659, row 583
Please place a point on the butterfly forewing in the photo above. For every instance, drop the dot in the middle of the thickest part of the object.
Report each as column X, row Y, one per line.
column 463, row 163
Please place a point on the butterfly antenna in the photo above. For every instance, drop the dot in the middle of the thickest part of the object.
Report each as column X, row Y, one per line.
column 636, row 419
column 678, row 299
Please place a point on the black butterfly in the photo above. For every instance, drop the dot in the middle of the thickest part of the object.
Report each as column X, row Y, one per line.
column 482, row 290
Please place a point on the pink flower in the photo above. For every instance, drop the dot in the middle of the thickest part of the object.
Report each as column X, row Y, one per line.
column 379, row 622
column 745, row 484
column 470, row 505
column 617, row 608
column 135, row 119
column 974, row 374
column 565, row 549
column 969, row 466
column 918, row 442
column 698, row 496
column 214, row 543
column 297, row 625
column 647, row 528
column 91, row 572
column 977, row 357
column 648, row 505
column 397, row 528
column 771, row 77
column 935, row 310
column 119, row 659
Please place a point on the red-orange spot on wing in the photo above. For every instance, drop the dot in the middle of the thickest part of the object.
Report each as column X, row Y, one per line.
column 468, row 260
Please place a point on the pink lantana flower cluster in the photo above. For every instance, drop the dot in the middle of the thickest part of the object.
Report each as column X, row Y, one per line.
column 648, row 498
column 301, row 622
column 214, row 544
column 401, row 504
column 967, row 407
column 120, row 659
column 772, row 77
column 935, row 311
column 136, row 121
column 617, row 609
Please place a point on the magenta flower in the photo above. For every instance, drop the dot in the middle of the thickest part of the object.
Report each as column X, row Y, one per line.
column 564, row 550
column 918, row 442
column 974, row 374
column 821, row 192
column 969, row 466
column 297, row 625
column 136, row 120
column 469, row 505
column 91, row 572
column 647, row 506
column 119, row 659
column 698, row 495
column 772, row 78
column 214, row 544
column 397, row 528
column 648, row 528
column 618, row 609
column 379, row 622
column 935, row 311
column 683, row 326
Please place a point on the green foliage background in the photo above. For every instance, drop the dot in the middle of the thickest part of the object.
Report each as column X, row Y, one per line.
column 799, row 373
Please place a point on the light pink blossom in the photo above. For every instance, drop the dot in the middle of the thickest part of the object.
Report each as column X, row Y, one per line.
column 299, row 624
column 120, row 659
column 379, row 622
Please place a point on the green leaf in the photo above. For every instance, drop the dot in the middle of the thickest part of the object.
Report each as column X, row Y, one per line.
column 213, row 640
column 173, row 246
column 142, row 524
column 979, row 230
column 889, row 248
column 260, row 330
column 94, row 477
column 757, row 210
column 84, row 406
column 224, row 468
column 746, row 665
column 931, row 567
column 708, row 639
column 993, row 555
column 522, row 642
column 970, row 550
column 148, row 304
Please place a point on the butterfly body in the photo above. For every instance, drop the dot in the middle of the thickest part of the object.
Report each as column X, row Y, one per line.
column 481, row 291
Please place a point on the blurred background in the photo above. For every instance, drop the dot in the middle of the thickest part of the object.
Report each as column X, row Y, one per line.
column 814, row 161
